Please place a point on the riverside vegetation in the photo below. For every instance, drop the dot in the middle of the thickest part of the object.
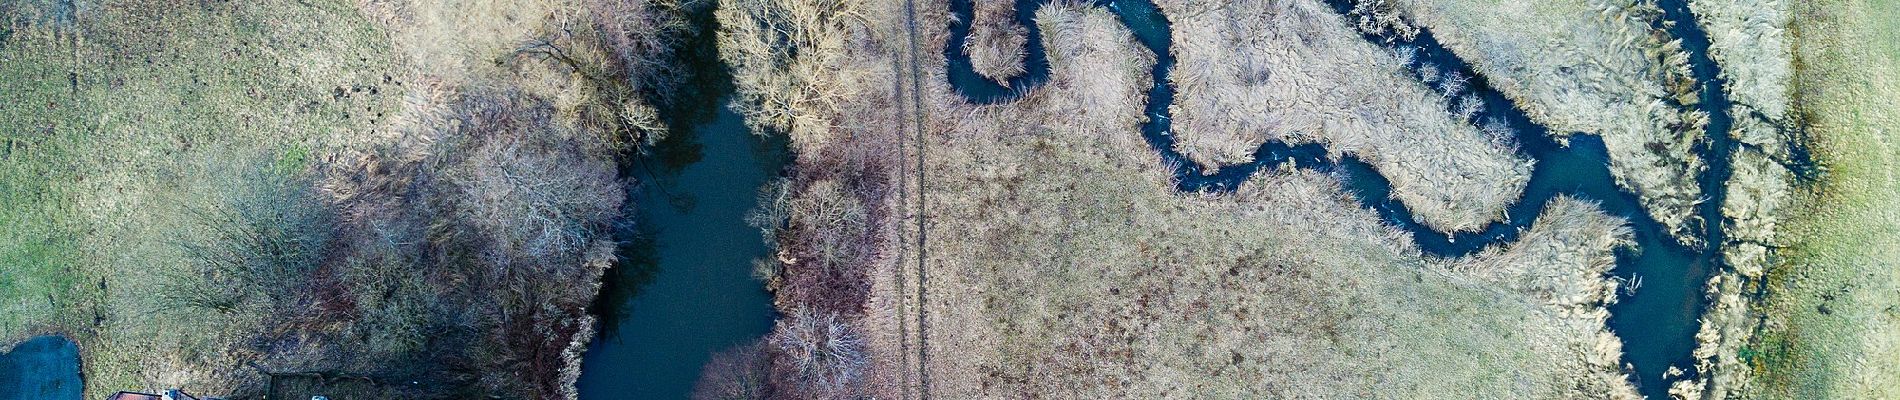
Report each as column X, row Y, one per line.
column 414, row 192
column 1067, row 266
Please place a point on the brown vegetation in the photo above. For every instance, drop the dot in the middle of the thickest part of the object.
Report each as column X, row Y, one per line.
column 738, row 373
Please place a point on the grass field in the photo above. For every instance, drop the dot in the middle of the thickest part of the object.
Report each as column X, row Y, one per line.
column 1833, row 325
column 191, row 189
column 125, row 122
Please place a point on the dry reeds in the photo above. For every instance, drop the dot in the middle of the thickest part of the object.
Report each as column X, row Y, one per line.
column 997, row 44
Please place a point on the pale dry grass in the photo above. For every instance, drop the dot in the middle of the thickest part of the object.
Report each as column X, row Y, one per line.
column 997, row 43
column 1593, row 67
column 1292, row 70
column 1749, row 38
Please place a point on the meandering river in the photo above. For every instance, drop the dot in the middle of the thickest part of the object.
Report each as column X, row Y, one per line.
column 1657, row 324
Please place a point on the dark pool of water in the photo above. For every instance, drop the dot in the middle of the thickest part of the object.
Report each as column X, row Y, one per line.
column 1657, row 324
column 41, row 368
column 683, row 288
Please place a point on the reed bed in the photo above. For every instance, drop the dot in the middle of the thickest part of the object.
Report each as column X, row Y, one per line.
column 997, row 43
column 1750, row 40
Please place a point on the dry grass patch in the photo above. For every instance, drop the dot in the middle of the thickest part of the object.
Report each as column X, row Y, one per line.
column 1749, row 38
column 997, row 44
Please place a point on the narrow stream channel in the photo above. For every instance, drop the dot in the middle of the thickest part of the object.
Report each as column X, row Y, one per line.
column 683, row 288
column 1657, row 324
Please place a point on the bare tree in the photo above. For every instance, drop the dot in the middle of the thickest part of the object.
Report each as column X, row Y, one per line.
column 818, row 356
column 738, row 373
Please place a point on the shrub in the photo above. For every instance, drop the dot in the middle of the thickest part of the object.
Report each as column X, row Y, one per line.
column 818, row 356
column 738, row 373
column 265, row 237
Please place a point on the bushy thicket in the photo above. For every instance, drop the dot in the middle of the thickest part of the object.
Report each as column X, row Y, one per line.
column 453, row 262
column 812, row 70
column 738, row 373
column 258, row 242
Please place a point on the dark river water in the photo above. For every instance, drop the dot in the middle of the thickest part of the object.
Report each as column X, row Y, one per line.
column 683, row 288
column 41, row 368
column 1657, row 323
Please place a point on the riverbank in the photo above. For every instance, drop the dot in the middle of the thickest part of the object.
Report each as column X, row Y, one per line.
column 1831, row 328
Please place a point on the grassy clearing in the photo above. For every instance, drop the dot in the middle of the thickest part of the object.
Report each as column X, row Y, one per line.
column 1589, row 66
column 1061, row 262
column 128, row 117
column 192, row 189
column 1252, row 71
column 1832, row 330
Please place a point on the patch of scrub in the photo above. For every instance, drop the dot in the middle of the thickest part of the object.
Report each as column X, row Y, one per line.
column 41, row 368
column 998, row 44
